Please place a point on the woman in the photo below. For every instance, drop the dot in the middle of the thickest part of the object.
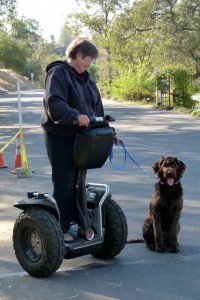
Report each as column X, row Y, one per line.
column 70, row 94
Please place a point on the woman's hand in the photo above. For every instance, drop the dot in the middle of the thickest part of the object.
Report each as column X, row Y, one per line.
column 116, row 139
column 83, row 120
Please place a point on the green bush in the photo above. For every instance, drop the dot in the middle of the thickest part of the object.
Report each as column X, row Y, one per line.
column 183, row 86
column 133, row 84
column 196, row 113
column 13, row 53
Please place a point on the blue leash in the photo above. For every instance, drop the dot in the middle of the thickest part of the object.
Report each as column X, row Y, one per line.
column 126, row 154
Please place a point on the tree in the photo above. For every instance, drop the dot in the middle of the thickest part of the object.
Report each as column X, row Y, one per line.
column 159, row 33
column 155, row 35
column 96, row 18
column 13, row 53
column 25, row 29
column 133, row 38
column 22, row 47
column 7, row 9
column 189, row 33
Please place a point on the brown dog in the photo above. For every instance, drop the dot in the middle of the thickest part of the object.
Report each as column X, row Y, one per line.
column 161, row 227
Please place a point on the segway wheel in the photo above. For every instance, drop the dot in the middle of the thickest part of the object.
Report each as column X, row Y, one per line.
column 38, row 242
column 116, row 231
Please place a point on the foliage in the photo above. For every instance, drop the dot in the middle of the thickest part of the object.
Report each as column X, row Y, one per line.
column 160, row 32
column 177, row 79
column 96, row 18
column 7, row 10
column 25, row 29
column 183, row 86
column 23, row 49
column 13, row 53
column 133, row 84
column 136, row 40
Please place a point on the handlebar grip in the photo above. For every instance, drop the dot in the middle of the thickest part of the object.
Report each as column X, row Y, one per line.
column 94, row 119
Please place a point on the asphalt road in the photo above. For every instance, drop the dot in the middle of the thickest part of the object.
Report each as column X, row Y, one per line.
column 136, row 273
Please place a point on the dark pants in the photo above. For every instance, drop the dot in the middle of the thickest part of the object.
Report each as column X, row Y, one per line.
column 60, row 154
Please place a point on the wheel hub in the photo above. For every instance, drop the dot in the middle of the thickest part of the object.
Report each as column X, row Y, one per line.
column 36, row 243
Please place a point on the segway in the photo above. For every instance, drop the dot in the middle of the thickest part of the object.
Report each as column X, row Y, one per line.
column 101, row 227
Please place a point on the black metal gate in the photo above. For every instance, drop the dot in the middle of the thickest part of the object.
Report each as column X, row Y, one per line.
column 164, row 97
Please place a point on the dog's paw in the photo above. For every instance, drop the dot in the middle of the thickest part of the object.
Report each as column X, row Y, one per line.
column 151, row 247
column 160, row 249
column 173, row 249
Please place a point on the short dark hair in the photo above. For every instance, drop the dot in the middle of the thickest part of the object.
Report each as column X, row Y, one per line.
column 85, row 47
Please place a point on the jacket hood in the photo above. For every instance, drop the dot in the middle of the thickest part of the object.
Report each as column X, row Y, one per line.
column 65, row 65
column 62, row 63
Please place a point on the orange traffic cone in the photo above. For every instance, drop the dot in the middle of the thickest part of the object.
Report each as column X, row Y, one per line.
column 18, row 158
column 2, row 164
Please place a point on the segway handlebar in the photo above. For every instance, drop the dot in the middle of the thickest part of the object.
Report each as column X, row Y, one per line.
column 38, row 195
column 93, row 120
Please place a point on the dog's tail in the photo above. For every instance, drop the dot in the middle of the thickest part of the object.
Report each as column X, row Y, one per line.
column 135, row 241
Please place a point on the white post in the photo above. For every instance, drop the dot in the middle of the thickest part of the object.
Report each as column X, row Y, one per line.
column 19, row 105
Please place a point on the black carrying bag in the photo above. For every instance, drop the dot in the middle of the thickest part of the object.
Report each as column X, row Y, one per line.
column 91, row 148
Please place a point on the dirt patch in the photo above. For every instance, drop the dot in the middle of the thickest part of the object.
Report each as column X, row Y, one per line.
column 9, row 79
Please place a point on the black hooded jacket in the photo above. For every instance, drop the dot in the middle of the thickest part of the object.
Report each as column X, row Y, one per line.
column 67, row 95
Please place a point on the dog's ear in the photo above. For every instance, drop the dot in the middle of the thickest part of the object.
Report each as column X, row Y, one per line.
column 157, row 165
column 181, row 166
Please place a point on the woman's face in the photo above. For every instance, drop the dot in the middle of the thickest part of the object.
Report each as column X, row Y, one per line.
column 81, row 64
